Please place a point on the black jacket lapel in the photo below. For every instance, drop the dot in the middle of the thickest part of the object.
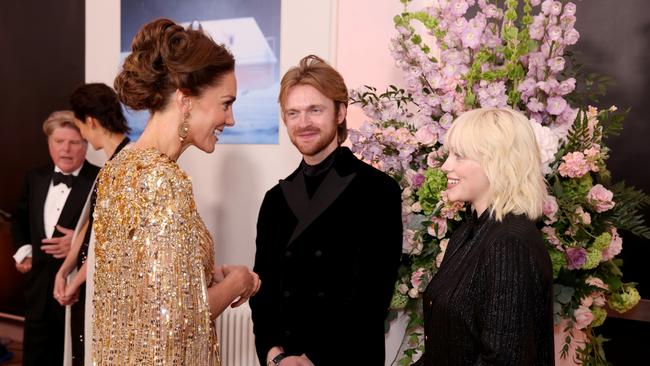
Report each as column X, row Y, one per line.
column 331, row 188
column 41, row 187
column 295, row 192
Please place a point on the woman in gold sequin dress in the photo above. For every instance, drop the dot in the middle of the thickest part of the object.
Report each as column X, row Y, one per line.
column 156, row 288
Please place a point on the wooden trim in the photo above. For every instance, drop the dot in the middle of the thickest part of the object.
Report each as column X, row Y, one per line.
column 18, row 319
column 12, row 327
column 641, row 312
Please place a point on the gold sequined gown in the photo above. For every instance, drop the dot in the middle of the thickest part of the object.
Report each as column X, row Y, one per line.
column 154, row 262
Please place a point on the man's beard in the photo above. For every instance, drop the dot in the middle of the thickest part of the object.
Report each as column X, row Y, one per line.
column 322, row 142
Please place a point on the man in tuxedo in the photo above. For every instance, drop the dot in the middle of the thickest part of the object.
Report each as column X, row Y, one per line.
column 50, row 205
column 329, row 237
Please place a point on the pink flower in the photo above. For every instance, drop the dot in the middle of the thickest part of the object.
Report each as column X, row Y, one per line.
column 443, row 249
column 416, row 278
column 552, row 238
column 471, row 37
column 601, row 198
column 549, row 86
column 459, row 8
column 583, row 216
column 571, row 36
column 569, row 9
column 546, row 6
column 556, row 64
column 574, row 165
column 535, row 105
column 615, row 246
column 550, row 208
column 432, row 159
column 410, row 245
column 426, row 135
column 599, row 299
column 556, row 8
column 438, row 227
column 554, row 33
column 583, row 316
column 592, row 154
column 586, row 301
column 556, row 105
column 567, row 86
column 536, row 28
column 596, row 282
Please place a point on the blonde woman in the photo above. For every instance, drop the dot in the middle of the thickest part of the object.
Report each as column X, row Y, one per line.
column 491, row 301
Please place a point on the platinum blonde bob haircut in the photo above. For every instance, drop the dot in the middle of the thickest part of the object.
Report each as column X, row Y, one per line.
column 502, row 141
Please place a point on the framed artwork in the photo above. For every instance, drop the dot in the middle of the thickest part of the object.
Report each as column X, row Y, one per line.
column 250, row 29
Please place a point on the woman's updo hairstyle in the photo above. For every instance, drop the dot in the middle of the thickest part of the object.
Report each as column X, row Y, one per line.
column 165, row 57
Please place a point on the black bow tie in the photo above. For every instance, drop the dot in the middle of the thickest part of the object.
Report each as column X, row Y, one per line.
column 67, row 179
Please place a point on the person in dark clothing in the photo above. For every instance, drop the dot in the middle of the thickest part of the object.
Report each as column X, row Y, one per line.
column 44, row 221
column 491, row 300
column 100, row 120
column 329, row 237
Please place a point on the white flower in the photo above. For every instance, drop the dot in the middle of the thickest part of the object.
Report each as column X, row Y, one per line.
column 416, row 207
column 403, row 289
column 414, row 293
column 548, row 144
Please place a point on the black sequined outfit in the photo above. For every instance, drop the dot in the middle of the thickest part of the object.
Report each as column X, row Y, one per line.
column 491, row 300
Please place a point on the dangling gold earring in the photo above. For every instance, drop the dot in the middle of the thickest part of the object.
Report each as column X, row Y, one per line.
column 184, row 127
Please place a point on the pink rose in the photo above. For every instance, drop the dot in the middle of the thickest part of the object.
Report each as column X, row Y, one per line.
column 550, row 208
column 601, row 198
column 586, row 301
column 615, row 246
column 599, row 299
column 583, row 317
column 416, row 278
column 432, row 159
column 426, row 135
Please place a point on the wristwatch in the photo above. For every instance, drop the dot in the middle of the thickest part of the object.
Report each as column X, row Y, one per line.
column 276, row 360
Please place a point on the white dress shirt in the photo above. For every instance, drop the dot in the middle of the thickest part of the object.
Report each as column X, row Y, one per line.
column 56, row 197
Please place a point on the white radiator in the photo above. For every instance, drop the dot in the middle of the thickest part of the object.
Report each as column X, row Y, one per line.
column 235, row 332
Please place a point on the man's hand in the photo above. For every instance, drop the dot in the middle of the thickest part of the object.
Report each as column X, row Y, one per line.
column 24, row 266
column 58, row 247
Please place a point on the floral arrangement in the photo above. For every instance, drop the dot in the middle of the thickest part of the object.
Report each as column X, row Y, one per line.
column 503, row 54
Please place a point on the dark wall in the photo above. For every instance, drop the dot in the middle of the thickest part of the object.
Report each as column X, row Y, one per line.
column 615, row 41
column 41, row 62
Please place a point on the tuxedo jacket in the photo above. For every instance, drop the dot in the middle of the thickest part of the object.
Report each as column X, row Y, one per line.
column 28, row 228
column 328, row 265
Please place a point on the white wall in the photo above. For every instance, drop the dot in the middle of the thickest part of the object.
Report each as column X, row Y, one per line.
column 230, row 183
